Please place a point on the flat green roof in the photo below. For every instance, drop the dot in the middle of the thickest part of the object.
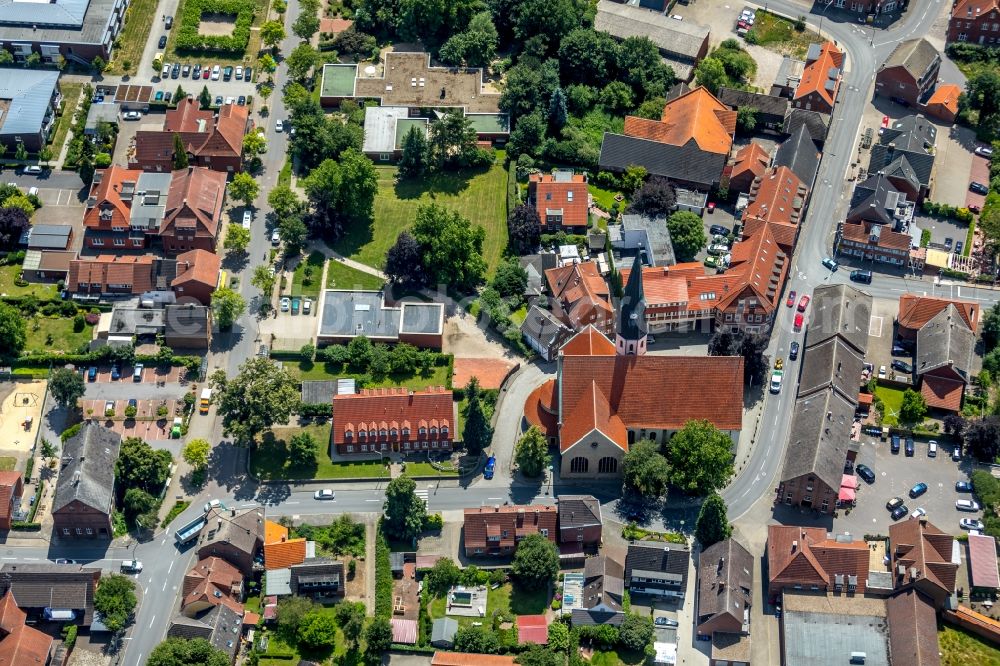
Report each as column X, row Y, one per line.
column 338, row 80
column 489, row 123
column 403, row 126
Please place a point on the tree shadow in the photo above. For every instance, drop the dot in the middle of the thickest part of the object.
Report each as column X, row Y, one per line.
column 451, row 184
column 236, row 261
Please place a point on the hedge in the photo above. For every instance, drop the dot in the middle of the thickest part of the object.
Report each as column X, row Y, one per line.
column 70, row 432
column 39, row 490
column 315, row 410
column 383, row 577
column 189, row 39
column 25, row 526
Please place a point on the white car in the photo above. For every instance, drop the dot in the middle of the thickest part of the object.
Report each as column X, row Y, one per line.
column 278, row 126
column 216, row 72
column 776, row 377
column 239, row 73
column 984, row 151
column 932, row 448
column 247, row 219
column 918, row 512
column 131, row 566
column 131, row 115
column 971, row 524
column 966, row 505
column 306, row 305
column 718, row 248
column 275, row 237
column 881, row 372
column 286, row 304
column 230, row 100
column 212, row 504
column 165, row 72
column 325, row 494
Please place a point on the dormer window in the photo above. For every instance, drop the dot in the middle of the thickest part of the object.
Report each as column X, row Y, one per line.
column 372, row 433
column 434, row 430
column 362, row 434
column 406, row 431
column 444, row 430
column 382, row 432
column 349, row 434
column 423, row 431
column 394, row 432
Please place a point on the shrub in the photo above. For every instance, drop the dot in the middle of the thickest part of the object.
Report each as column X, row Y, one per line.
column 383, row 577
column 69, row 432
column 433, row 521
column 189, row 39
column 69, row 636
column 79, row 322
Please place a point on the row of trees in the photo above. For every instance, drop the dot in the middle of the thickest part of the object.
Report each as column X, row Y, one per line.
column 452, row 145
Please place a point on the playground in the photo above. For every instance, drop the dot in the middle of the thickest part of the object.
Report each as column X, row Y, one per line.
column 20, row 415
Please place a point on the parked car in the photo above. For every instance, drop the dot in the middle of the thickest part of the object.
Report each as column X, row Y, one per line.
column 902, row 366
column 881, row 372
column 325, row 494
column 211, row 504
column 894, row 503
column 218, row 100
column 109, row 406
column 797, row 326
column 168, row 22
column 804, row 303
column 831, row 264
column 166, row 97
column 92, row 374
column 306, row 305
column 247, row 219
column 861, row 276
column 718, row 248
column 227, row 73
column 665, row 622
column 710, row 207
column 186, row 71
column 918, row 512
column 175, row 71
column 899, row 512
column 129, row 115
column 239, row 73
column 718, row 229
column 956, row 453
column 131, row 566
column 918, row 490
column 116, row 373
column 132, row 402
column 216, row 72
column 246, row 73
column 979, row 188
column 776, row 377
column 137, row 372
column 909, row 447
column 491, row 465
column 206, row 72
column 790, row 301
column 866, row 473
column 241, row 100
column 196, row 74
column 230, row 100
column 63, row 560
column 295, row 305
column 793, row 351
column 163, row 42
column 165, row 71
column 984, row 151
column 286, row 303
column 970, row 524
column 158, row 97
column 894, row 443
column 963, row 487
column 948, row 242
column 278, row 126
column 958, row 247
column 898, row 350
column 275, row 237
column 966, row 505
column 932, row 448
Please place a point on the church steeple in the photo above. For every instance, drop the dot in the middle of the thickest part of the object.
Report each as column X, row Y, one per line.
column 630, row 327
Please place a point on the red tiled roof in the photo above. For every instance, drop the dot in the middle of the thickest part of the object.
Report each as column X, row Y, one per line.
column 751, row 158
column 10, row 615
column 202, row 134
column 918, row 544
column 541, row 409
column 108, row 269
column 188, row 116
column 515, row 520
column 532, row 629
column 283, row 554
column 389, row 409
column 661, row 285
column 589, row 342
column 106, row 194
column 972, row 9
column 465, row 659
column 816, row 74
column 569, row 196
column 10, row 486
column 805, row 556
column 592, row 411
column 582, row 292
column 695, row 116
column 983, row 561
column 887, row 239
column 21, row 645
column 758, row 265
column 194, row 202
column 215, row 581
column 913, row 638
column 915, row 311
column 251, row 619
column 945, row 95
column 199, row 266
column 404, row 631
column 776, row 197
column 942, row 393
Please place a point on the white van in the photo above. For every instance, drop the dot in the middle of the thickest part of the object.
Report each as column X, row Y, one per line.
column 247, row 218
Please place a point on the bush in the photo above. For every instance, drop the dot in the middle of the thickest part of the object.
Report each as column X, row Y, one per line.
column 69, row 636
column 189, row 39
column 70, row 432
column 25, row 526
column 433, row 521
column 383, row 577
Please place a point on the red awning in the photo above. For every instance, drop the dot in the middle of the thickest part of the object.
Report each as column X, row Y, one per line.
column 848, row 488
column 848, row 481
column 846, row 494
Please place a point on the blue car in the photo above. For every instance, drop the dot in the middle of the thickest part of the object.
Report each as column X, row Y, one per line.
column 116, row 373
column 491, row 464
column 918, row 490
column 92, row 374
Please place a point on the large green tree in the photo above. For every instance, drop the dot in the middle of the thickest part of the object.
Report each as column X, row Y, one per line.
column 301, row 61
column 413, row 162
column 453, row 142
column 914, row 407
column 180, row 153
column 13, row 331
column 302, row 448
column 284, row 202
column 404, row 261
column 196, row 452
column 187, row 652
column 317, row 630
column 700, row 458
column 378, row 639
column 237, row 239
column 342, row 192
column 404, row 511
column 645, row 470
column 477, row 432
column 687, row 233
column 475, row 47
column 452, row 245
column 635, row 632
column 991, row 327
column 532, row 452
column 272, row 32
column 536, row 562
column 141, row 466
column 713, row 523
column 477, row 640
column 263, row 278
column 66, row 387
column 258, row 397
column 589, row 57
column 244, row 188
column 115, row 600
column 227, row 306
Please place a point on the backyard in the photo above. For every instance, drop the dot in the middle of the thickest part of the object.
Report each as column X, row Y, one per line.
column 55, row 334
column 504, row 599
column 308, row 276
column 892, row 402
column 616, row 658
column 281, row 645
column 478, row 196
column 779, row 34
column 133, row 38
column 269, row 461
column 71, row 97
column 7, row 463
column 959, row 647
column 341, row 276
column 8, row 275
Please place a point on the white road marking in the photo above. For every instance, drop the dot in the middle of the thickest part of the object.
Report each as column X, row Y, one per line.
column 151, row 621
column 171, row 566
column 372, row 500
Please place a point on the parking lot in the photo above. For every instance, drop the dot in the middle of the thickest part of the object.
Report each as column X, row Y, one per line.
column 149, row 374
column 942, row 229
column 881, row 332
column 146, row 424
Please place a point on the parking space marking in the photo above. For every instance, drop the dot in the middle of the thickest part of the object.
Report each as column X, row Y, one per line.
column 871, row 327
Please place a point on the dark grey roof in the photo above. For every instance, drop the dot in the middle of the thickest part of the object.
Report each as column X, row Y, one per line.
column 667, row 559
column 541, row 325
column 312, row 567
column 832, row 364
column 187, row 320
column 725, row 581
column 820, row 432
column 49, row 236
column 816, row 123
column 658, row 245
column 88, row 469
column 677, row 90
column 18, row 21
column 946, row 340
column 220, row 625
column 915, row 55
column 913, row 133
column 898, row 169
column 63, row 586
column 630, row 320
column 912, row 137
column 798, row 152
column 582, row 617
column 839, row 310
column 603, row 583
column 874, row 200
column 244, row 530
column 316, row 391
column 443, row 631
column 687, row 163
column 27, row 91
column 769, row 105
column 679, row 38
column 535, row 265
column 579, row 511
column 427, row 318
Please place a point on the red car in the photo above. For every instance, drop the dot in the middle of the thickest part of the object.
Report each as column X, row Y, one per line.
column 791, row 299
column 711, row 207
column 207, row 72
column 798, row 322
column 803, row 303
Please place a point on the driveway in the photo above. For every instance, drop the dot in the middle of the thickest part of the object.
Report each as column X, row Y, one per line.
column 979, row 172
column 941, row 228
column 952, row 164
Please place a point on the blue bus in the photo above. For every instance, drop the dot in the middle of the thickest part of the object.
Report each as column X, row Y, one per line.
column 491, row 464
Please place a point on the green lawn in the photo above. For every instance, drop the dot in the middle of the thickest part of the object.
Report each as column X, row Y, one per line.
column 604, row 199
column 426, row 469
column 308, row 370
column 7, row 463
column 71, row 94
column 341, row 276
column 518, row 316
column 892, row 399
column 505, row 598
column 279, row 644
column 64, row 338
column 8, row 274
column 959, row 648
column 134, row 36
column 615, row 658
column 222, row 58
column 480, row 196
column 308, row 276
column 270, row 459
column 779, row 34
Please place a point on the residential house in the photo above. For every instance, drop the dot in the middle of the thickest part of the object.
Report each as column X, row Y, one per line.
column 603, row 592
column 29, row 98
column 913, row 628
column 874, row 242
column 77, row 31
column 38, row 588
column 580, row 521
column 681, row 43
column 109, row 275
column 905, row 154
column 212, row 139
column 535, row 266
column 642, row 235
column 11, row 490
column 193, row 210
column 234, row 535
column 280, row 550
column 910, row 76
column 815, row 123
column 385, row 129
column 943, row 102
column 777, row 201
column 915, row 311
column 817, row 91
column 561, row 200
column 771, row 109
column 581, row 297
column 46, row 265
column 394, row 420
column 798, row 152
column 187, row 326
column 750, row 163
column 20, row 643
column 211, row 582
column 496, row 530
column 197, row 275
column 944, row 361
column 347, row 313
column 725, row 589
column 974, row 21
column 318, row 577
column 788, row 77
column 544, row 333
column 877, row 201
column 922, row 558
column 832, row 361
column 808, row 558
column 657, row 570
column 220, row 625
column 85, row 493
column 689, row 145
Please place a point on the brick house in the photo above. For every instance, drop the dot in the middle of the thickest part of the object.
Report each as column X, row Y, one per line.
column 817, row 90
column 750, row 163
column 112, row 274
column 193, row 209
column 581, row 297
column 495, row 530
column 394, row 420
column 11, row 489
column 921, row 559
column 905, row 154
column 561, row 200
column 975, row 22
column 318, row 576
column 213, row 140
column 197, row 275
column 20, row 643
column 777, row 201
column 37, row 586
column 808, row 558
column 85, row 492
column 211, row 582
column 873, row 242
column 725, row 588
column 916, row 310
column 580, row 521
column 236, row 536
column 657, row 570
column 910, row 72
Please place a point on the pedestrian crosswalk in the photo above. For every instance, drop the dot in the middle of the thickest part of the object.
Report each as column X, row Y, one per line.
column 422, row 494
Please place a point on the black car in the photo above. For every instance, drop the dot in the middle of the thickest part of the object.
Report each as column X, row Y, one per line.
column 218, row 100
column 866, row 473
column 902, row 366
column 246, row 73
column 163, row 42
column 175, row 72
column 894, row 443
column 168, row 22
column 793, row 351
column 979, row 188
column 241, row 100
column 963, row 487
column 899, row 512
column 718, row 230
column 909, row 447
column 861, row 276
column 898, row 350
column 948, row 242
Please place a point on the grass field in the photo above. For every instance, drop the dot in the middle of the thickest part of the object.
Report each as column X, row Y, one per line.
column 305, row 370
column 604, row 199
column 892, row 399
column 959, row 648
column 71, row 95
column 134, row 36
column 313, row 265
column 270, row 460
column 341, row 276
column 426, row 469
column 779, row 34
column 64, row 338
column 505, row 598
column 8, row 274
column 214, row 57
column 479, row 196
column 616, row 658
column 7, row 463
